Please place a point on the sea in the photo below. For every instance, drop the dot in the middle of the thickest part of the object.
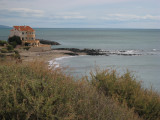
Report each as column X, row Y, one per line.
column 136, row 50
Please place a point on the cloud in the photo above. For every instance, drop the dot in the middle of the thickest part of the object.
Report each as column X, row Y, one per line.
column 131, row 17
column 80, row 12
column 103, row 1
column 68, row 16
column 95, row 2
column 27, row 11
column 22, row 12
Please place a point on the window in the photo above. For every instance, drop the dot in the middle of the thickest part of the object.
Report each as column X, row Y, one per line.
column 22, row 38
column 22, row 33
column 26, row 37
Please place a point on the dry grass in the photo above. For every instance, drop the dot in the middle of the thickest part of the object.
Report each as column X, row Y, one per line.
column 128, row 91
column 33, row 91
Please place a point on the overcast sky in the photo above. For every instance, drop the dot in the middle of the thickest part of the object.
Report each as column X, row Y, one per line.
column 81, row 13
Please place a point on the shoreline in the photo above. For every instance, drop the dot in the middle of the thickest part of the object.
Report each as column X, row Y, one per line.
column 55, row 62
column 46, row 56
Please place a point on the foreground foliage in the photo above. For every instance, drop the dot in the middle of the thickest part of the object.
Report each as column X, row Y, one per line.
column 127, row 91
column 30, row 92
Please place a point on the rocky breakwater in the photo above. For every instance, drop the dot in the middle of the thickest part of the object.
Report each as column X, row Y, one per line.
column 93, row 52
column 96, row 52
column 48, row 42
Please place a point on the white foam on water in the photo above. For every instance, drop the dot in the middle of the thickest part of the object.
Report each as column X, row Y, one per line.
column 55, row 62
column 124, row 52
column 132, row 52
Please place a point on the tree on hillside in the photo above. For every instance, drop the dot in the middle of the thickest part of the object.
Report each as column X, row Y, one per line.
column 14, row 41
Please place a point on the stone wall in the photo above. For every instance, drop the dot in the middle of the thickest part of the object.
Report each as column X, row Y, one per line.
column 40, row 48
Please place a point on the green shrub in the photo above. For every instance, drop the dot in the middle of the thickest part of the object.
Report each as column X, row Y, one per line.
column 35, row 92
column 26, row 48
column 128, row 91
column 14, row 44
column 3, row 42
column 4, row 50
column 16, row 52
column 9, row 47
column 14, row 41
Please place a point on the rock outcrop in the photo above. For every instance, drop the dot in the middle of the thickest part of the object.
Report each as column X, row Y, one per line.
column 48, row 42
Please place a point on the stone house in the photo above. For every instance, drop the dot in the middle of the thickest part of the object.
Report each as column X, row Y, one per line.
column 26, row 34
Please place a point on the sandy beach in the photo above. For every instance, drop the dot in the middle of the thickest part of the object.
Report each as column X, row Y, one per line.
column 28, row 56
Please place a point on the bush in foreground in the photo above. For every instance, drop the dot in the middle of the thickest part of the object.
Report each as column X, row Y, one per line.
column 127, row 91
column 34, row 92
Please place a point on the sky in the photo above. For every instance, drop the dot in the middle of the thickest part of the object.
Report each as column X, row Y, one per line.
column 81, row 13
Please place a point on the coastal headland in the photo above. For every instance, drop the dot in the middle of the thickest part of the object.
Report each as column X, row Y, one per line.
column 45, row 53
column 48, row 55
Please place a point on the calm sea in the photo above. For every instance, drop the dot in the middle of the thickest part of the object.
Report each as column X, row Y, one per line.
column 133, row 41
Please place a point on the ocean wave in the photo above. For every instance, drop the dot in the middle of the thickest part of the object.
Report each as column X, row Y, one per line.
column 55, row 62
column 131, row 52
column 122, row 52
column 153, row 52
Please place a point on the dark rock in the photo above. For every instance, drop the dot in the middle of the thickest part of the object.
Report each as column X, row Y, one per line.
column 48, row 42
column 72, row 54
column 92, row 52
column 96, row 52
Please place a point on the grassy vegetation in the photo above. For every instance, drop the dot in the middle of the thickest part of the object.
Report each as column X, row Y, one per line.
column 3, row 42
column 33, row 91
column 4, row 50
column 10, row 47
column 26, row 48
column 7, row 51
column 127, row 91
column 2, row 57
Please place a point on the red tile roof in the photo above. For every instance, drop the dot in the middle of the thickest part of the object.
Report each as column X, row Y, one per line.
column 24, row 28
